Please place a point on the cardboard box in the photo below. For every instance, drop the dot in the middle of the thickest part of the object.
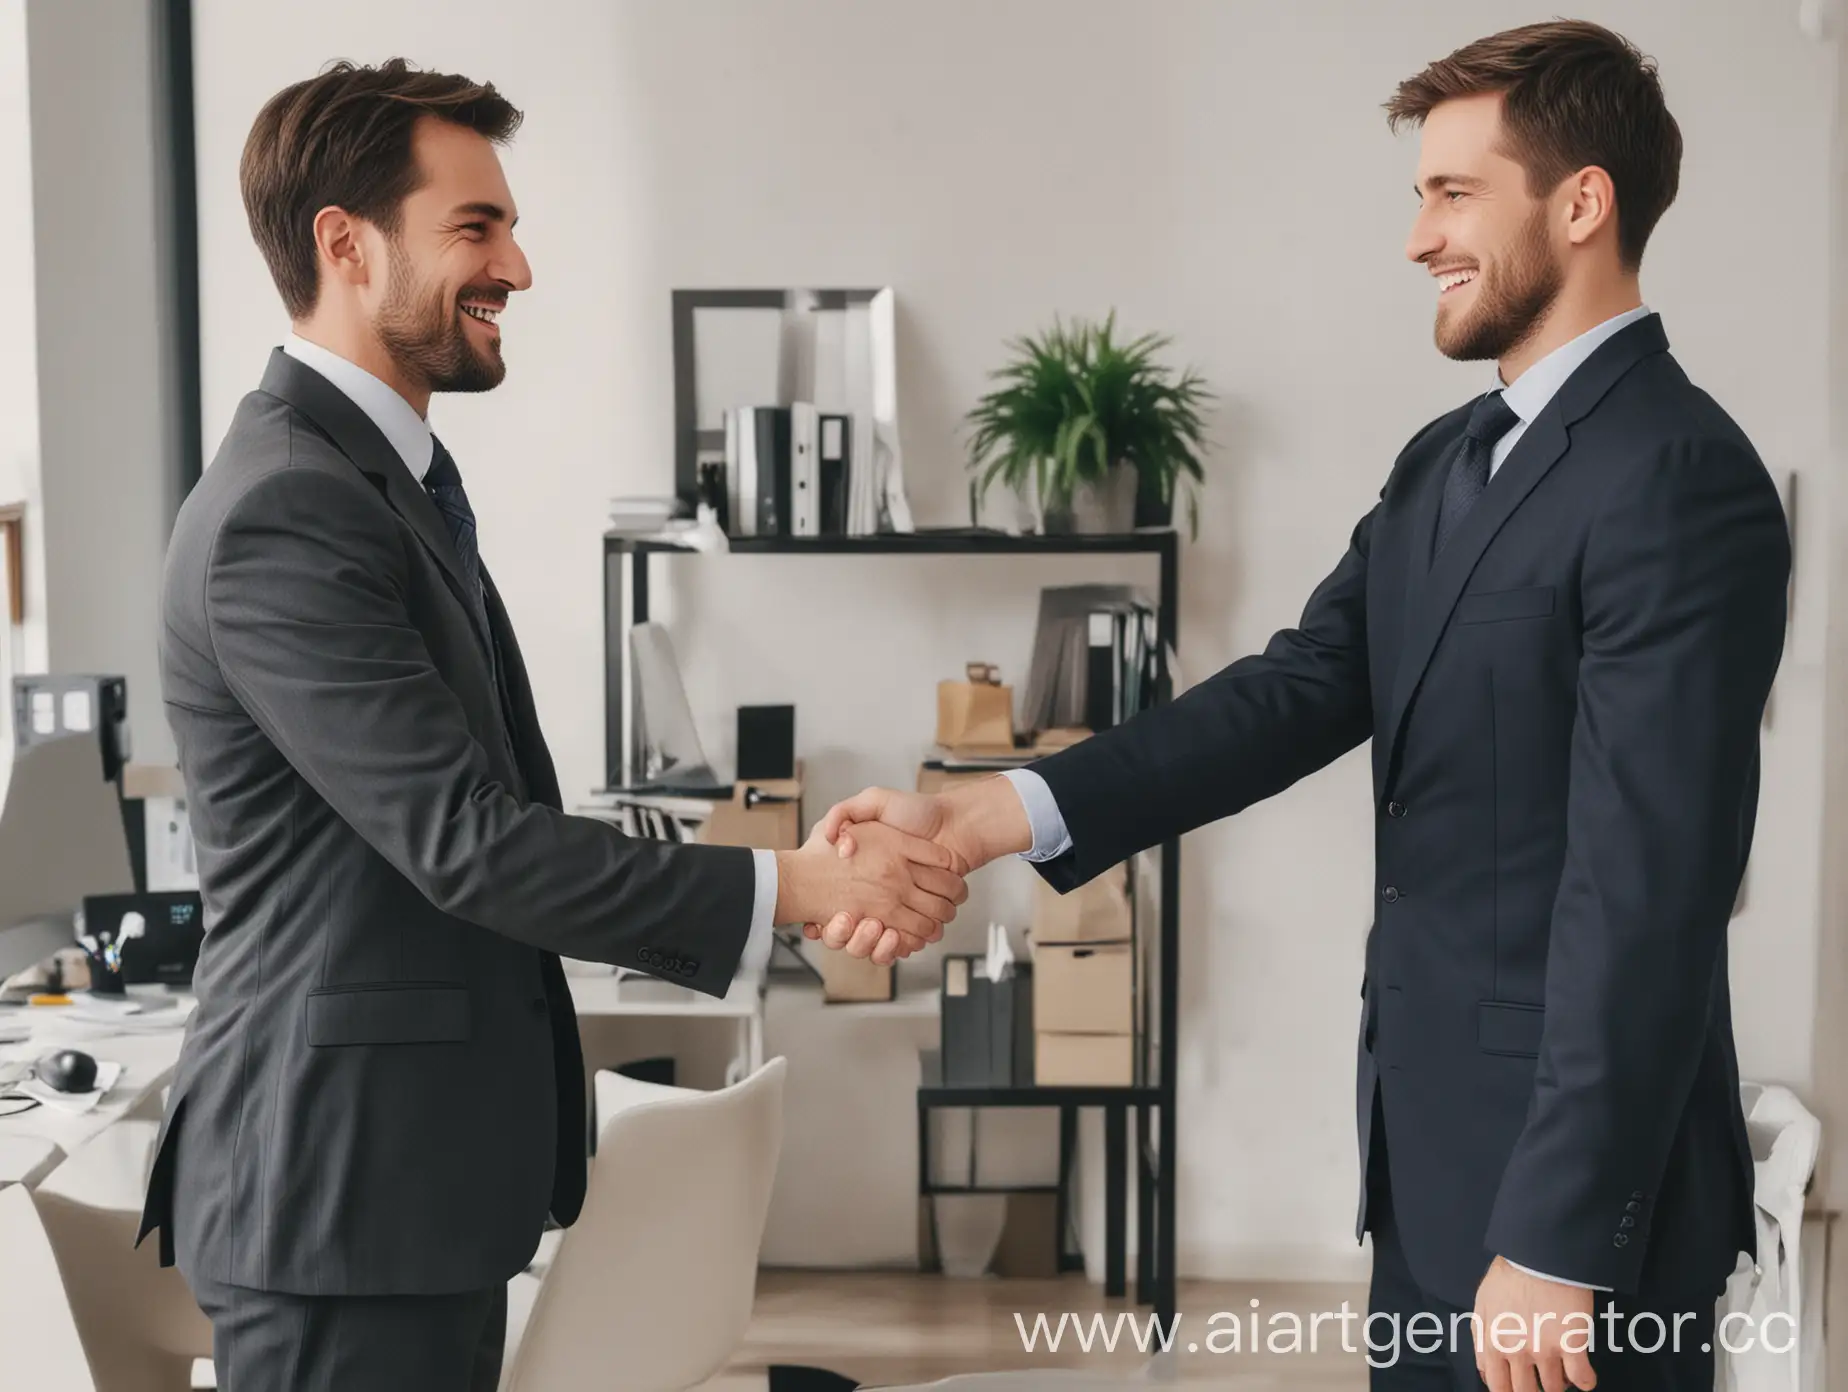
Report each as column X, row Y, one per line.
column 936, row 780
column 1084, row 1060
column 848, row 980
column 1029, row 1246
column 152, row 781
column 773, row 824
column 1084, row 988
column 975, row 716
column 1098, row 911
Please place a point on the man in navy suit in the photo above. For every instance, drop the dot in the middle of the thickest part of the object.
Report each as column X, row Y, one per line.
column 1558, row 626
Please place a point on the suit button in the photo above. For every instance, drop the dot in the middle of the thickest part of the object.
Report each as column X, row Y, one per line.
column 1621, row 1240
column 688, row 968
column 1626, row 1222
column 1633, row 1207
column 1395, row 809
column 1390, row 894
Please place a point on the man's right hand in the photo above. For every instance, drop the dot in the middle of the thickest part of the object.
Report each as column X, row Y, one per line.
column 976, row 822
column 891, row 897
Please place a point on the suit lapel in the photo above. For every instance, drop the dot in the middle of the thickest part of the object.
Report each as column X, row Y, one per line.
column 1433, row 590
column 353, row 431
column 1402, row 581
column 517, row 699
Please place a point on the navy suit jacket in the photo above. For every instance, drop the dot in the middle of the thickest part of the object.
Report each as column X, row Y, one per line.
column 1564, row 709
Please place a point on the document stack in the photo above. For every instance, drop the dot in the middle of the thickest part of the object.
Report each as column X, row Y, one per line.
column 824, row 459
column 1094, row 658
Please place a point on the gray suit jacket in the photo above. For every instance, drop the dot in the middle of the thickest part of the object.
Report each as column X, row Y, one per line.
column 381, row 1091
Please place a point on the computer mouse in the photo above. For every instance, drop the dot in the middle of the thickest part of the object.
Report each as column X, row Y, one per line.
column 68, row 1070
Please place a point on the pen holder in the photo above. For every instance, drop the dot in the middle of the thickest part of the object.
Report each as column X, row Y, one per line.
column 106, row 970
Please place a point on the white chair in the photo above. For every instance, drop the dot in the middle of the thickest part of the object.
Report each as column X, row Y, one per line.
column 38, row 1337
column 140, row 1325
column 651, row 1289
column 1786, row 1283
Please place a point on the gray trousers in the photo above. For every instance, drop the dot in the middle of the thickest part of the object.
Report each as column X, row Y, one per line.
column 266, row 1341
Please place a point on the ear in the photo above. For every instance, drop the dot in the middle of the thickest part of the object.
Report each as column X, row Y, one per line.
column 339, row 246
column 1590, row 204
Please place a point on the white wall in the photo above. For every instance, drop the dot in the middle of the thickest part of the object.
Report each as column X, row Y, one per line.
column 1828, row 1093
column 19, row 432
column 1215, row 170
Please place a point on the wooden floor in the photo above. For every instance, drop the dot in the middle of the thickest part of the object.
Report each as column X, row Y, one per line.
column 885, row 1329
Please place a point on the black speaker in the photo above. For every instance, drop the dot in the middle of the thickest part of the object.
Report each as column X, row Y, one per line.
column 766, row 742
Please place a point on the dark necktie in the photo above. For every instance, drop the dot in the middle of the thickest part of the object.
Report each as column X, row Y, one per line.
column 1491, row 419
column 444, row 484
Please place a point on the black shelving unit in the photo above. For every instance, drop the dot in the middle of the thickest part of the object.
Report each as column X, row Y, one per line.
column 626, row 576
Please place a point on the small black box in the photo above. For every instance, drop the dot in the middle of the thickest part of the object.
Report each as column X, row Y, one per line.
column 766, row 742
column 987, row 1026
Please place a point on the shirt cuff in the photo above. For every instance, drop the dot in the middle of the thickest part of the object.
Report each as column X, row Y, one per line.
column 1556, row 1280
column 761, row 939
column 1050, row 837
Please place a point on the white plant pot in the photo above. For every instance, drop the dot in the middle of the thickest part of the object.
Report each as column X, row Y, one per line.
column 1104, row 506
column 968, row 1231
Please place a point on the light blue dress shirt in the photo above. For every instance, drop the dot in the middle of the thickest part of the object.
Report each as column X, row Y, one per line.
column 1526, row 398
column 409, row 434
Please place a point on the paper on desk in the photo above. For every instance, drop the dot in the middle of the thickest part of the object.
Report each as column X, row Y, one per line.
column 88, row 1005
column 107, row 1073
column 15, row 1025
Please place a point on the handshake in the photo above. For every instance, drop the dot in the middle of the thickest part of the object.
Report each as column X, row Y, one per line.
column 884, row 871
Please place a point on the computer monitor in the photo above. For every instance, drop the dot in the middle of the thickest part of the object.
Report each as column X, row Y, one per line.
column 61, row 838
column 673, row 760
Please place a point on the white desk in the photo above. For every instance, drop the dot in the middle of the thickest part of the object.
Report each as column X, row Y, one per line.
column 596, row 991
column 147, row 1056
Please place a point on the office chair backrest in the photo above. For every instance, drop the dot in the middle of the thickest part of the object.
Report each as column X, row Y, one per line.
column 652, row 1288
column 38, row 1337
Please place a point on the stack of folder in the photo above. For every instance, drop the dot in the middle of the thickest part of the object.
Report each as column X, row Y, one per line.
column 1094, row 658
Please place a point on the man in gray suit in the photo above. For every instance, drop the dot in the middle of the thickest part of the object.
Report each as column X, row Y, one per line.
column 381, row 1095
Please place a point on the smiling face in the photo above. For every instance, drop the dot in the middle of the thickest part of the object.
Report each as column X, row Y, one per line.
column 451, row 266
column 1487, row 242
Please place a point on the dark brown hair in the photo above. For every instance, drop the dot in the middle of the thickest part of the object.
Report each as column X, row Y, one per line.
column 343, row 139
column 1573, row 94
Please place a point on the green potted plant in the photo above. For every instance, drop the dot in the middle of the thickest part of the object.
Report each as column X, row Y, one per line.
column 1097, row 431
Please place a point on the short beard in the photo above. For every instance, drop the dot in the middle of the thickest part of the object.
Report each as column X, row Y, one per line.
column 424, row 335
column 1512, row 297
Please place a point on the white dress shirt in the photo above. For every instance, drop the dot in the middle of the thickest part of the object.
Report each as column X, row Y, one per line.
column 409, row 434
column 1532, row 390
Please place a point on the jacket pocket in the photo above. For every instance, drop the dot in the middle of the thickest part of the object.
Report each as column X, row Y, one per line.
column 1508, row 1027
column 398, row 1013
column 1496, row 606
